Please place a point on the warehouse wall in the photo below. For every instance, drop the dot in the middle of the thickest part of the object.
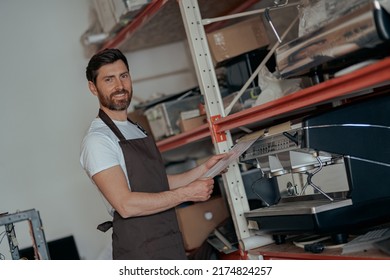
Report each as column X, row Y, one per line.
column 45, row 110
column 154, row 74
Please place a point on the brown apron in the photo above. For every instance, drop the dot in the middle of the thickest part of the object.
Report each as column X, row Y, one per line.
column 149, row 237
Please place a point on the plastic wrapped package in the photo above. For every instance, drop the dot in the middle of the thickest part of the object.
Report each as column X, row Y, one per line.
column 332, row 30
column 314, row 14
column 273, row 87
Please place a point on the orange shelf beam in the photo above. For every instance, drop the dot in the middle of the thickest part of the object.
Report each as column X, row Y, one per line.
column 182, row 139
column 361, row 79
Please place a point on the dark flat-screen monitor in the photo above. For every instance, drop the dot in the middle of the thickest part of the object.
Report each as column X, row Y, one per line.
column 60, row 249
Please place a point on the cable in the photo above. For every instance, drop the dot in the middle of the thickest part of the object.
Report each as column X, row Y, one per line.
column 303, row 243
column 4, row 234
column 315, row 245
column 255, row 192
column 2, row 257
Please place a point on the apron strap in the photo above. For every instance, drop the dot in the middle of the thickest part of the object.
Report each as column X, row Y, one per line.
column 105, row 226
column 107, row 120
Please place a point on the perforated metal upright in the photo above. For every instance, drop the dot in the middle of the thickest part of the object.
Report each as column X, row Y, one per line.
column 234, row 188
column 33, row 218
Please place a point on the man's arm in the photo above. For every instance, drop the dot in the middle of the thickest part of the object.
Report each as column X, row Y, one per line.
column 113, row 185
column 182, row 179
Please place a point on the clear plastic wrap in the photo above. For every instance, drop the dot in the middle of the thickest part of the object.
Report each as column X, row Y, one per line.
column 315, row 14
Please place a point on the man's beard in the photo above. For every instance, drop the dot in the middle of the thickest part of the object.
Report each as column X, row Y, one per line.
column 114, row 104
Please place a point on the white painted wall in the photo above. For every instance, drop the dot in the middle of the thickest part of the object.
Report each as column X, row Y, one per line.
column 162, row 71
column 45, row 109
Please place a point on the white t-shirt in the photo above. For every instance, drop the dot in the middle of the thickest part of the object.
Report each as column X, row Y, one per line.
column 100, row 148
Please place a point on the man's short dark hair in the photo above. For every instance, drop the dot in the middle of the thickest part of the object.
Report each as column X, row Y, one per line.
column 106, row 56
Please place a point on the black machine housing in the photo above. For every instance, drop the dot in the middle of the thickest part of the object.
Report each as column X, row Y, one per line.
column 360, row 132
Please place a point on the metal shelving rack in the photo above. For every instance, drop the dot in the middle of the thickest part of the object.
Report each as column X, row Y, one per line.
column 220, row 125
column 357, row 83
column 214, row 108
column 37, row 233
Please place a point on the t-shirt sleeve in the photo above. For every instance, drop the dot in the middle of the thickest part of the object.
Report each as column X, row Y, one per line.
column 98, row 152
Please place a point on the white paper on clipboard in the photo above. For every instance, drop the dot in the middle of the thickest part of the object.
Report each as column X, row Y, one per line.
column 243, row 144
column 237, row 150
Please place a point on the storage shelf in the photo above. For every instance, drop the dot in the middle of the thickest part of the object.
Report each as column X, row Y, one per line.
column 160, row 22
column 137, row 23
column 342, row 87
column 182, row 139
column 289, row 106
column 331, row 90
column 289, row 251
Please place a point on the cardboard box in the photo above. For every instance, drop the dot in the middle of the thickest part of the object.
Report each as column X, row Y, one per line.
column 198, row 220
column 189, row 124
column 237, row 39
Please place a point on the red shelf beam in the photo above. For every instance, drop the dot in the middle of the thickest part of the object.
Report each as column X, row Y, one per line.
column 182, row 139
column 361, row 79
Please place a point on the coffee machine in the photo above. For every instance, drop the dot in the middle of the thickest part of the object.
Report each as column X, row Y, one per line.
column 352, row 140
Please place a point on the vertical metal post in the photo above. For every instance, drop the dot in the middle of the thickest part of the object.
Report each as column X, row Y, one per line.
column 39, row 236
column 235, row 192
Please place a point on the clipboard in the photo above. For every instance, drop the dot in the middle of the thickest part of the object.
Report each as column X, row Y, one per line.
column 241, row 146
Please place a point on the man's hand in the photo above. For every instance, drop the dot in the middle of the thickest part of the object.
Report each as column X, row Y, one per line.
column 213, row 160
column 198, row 190
column 189, row 177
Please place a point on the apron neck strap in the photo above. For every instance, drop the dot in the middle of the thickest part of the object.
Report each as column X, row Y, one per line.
column 107, row 120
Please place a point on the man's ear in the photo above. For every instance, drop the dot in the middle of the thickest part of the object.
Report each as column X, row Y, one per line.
column 92, row 88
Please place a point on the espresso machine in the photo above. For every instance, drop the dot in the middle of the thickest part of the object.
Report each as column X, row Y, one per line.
column 352, row 140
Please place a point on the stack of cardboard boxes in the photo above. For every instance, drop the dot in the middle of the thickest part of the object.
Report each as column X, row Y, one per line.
column 237, row 39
